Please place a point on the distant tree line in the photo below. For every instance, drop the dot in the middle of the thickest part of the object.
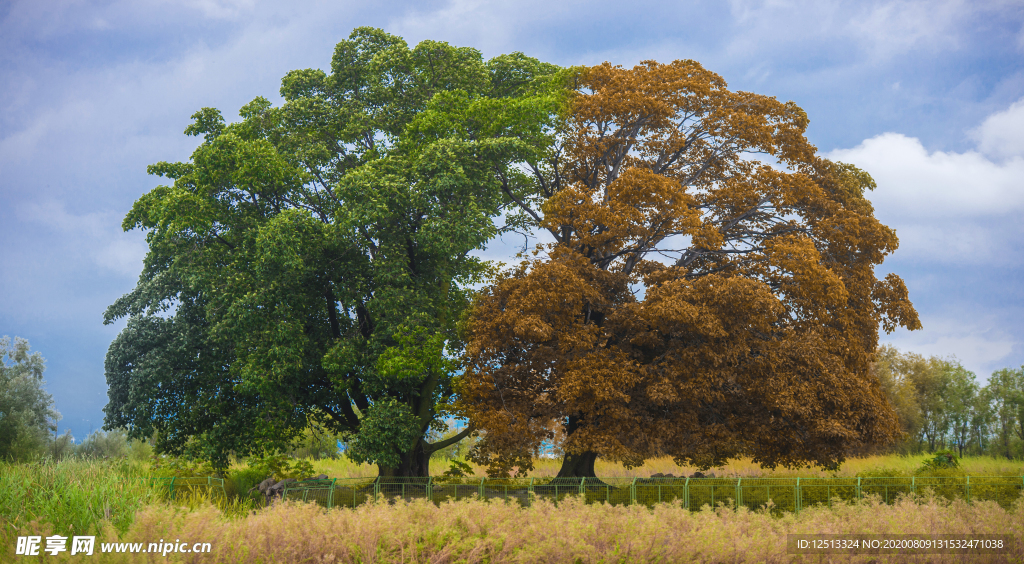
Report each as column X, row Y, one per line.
column 941, row 405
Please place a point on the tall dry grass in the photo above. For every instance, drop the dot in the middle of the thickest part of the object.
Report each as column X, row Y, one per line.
column 476, row 531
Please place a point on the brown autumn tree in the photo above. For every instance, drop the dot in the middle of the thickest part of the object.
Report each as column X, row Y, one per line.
column 710, row 290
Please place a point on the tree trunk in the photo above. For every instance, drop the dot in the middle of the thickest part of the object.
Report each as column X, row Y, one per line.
column 578, row 465
column 415, row 464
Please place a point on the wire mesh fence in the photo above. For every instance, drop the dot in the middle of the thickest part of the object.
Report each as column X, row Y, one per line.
column 174, row 487
column 317, row 491
column 776, row 494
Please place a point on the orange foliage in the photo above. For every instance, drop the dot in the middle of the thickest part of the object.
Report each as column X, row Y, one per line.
column 710, row 291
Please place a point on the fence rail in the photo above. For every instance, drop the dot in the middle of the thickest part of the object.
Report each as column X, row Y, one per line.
column 779, row 494
column 176, row 485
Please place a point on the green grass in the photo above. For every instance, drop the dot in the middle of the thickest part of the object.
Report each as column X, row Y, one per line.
column 72, row 496
column 743, row 467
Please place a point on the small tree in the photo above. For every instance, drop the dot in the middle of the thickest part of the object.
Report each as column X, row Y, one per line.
column 27, row 416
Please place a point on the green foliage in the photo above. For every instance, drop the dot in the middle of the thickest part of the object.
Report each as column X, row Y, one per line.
column 942, row 460
column 61, row 447
column 280, row 467
column 316, row 443
column 163, row 465
column 389, row 428
column 308, row 265
column 458, row 469
column 27, row 416
column 941, row 404
column 100, row 444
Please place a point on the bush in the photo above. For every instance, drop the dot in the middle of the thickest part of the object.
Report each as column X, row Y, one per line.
column 942, row 460
column 163, row 465
column 99, row 444
column 883, row 472
column 62, row 446
column 316, row 443
column 280, row 467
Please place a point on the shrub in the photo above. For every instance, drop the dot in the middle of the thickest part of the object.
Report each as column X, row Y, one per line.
column 942, row 460
column 99, row 444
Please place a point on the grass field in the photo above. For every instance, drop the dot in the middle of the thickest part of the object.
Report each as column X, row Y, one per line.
column 476, row 532
column 545, row 468
column 109, row 499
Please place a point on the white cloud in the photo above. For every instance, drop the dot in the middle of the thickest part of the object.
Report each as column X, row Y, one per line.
column 491, row 27
column 915, row 183
column 880, row 29
column 889, row 28
column 946, row 207
column 1001, row 135
column 954, row 212
column 92, row 236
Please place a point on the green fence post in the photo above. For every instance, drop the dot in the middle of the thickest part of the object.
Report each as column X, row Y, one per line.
column 739, row 492
column 172, row 486
column 913, row 484
column 686, row 493
column 582, row 480
column 330, row 494
column 797, row 502
column 482, row 488
column 632, row 491
column 376, row 489
column 860, row 494
column 430, row 488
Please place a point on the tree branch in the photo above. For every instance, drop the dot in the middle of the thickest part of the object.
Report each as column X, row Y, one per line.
column 429, row 448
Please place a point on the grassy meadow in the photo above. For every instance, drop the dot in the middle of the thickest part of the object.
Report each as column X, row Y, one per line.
column 109, row 499
column 548, row 467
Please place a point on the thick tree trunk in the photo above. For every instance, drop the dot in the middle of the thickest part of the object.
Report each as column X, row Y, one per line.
column 415, row 464
column 578, row 465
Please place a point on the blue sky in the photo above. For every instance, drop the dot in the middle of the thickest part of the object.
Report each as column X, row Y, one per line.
column 927, row 96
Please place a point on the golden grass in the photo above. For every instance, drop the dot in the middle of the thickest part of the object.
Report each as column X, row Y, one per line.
column 475, row 531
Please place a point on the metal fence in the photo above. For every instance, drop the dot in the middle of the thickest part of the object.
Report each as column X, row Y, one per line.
column 319, row 491
column 777, row 494
column 190, row 486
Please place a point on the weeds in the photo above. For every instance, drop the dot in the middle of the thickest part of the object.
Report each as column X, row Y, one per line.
column 573, row 531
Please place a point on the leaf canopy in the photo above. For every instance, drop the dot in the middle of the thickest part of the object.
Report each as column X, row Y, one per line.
column 710, row 290
column 309, row 263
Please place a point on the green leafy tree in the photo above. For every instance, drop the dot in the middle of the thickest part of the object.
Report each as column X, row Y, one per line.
column 960, row 402
column 893, row 370
column 27, row 416
column 1018, row 401
column 1005, row 391
column 930, row 380
column 981, row 420
column 309, row 264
